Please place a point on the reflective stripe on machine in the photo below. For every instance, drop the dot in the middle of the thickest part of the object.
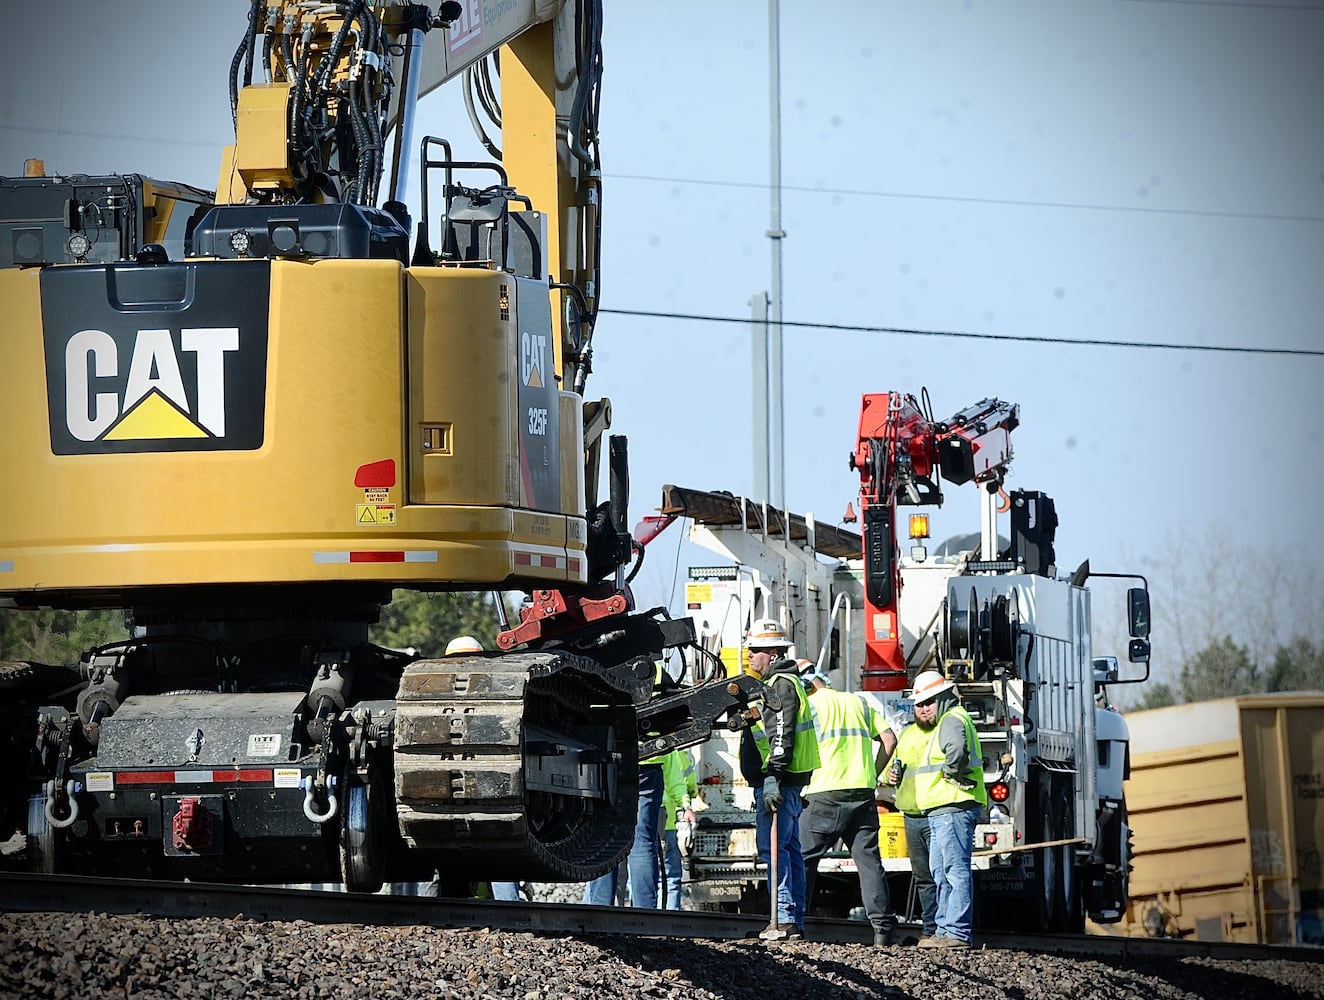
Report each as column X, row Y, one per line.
column 546, row 561
column 263, row 775
column 373, row 556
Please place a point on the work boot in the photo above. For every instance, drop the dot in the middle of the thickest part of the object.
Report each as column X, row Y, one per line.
column 781, row 932
column 949, row 943
column 883, row 936
column 929, row 942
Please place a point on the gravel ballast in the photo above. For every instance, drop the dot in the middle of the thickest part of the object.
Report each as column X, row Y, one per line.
column 96, row 955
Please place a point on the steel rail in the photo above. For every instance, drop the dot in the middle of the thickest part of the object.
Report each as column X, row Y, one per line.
column 28, row 893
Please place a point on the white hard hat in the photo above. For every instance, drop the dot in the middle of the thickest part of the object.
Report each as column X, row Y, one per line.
column 767, row 633
column 929, row 684
column 810, row 674
column 463, row 644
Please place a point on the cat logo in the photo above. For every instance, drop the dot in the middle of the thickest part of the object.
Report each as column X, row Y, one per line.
column 172, row 358
column 155, row 404
column 533, row 359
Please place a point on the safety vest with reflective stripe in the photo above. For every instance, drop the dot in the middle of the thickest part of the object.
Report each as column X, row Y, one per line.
column 909, row 751
column 847, row 727
column 804, row 756
column 679, row 785
column 932, row 789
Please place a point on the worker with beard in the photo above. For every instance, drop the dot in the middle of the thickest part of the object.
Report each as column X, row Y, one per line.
column 949, row 791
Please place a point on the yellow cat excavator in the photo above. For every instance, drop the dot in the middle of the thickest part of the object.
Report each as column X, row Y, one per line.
column 246, row 418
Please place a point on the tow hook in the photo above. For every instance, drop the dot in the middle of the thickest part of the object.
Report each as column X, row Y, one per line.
column 309, row 802
column 192, row 826
column 52, row 794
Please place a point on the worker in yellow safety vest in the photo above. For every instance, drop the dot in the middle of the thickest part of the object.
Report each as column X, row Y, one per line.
column 679, row 790
column 910, row 749
column 778, row 755
column 949, row 791
column 839, row 801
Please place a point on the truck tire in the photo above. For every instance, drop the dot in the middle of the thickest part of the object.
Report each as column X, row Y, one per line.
column 1048, row 862
column 1073, row 915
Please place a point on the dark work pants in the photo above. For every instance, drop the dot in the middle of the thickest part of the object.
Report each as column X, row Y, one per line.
column 850, row 816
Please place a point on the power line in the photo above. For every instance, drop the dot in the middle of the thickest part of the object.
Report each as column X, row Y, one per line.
column 1083, row 206
column 968, row 335
column 85, row 134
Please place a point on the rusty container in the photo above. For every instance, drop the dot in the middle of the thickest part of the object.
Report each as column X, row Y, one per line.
column 1226, row 803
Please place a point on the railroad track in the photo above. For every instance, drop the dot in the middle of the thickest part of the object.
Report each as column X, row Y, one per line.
column 27, row 893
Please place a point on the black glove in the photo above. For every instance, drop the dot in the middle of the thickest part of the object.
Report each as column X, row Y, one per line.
column 963, row 782
column 772, row 794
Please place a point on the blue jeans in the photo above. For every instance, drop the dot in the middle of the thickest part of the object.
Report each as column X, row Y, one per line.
column 647, row 833
column 672, row 868
column 509, row 891
column 951, row 842
column 790, row 860
column 602, row 890
column 917, row 846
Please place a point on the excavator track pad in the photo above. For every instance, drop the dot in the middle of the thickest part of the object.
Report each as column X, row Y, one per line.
column 518, row 765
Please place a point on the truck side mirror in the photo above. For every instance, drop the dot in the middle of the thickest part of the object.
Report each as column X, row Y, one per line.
column 1138, row 651
column 1137, row 610
column 1105, row 670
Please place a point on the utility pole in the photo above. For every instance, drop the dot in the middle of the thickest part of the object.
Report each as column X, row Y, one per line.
column 768, row 381
column 758, row 337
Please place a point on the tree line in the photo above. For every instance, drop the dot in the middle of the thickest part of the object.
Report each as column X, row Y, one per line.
column 1226, row 668
column 1230, row 618
column 424, row 622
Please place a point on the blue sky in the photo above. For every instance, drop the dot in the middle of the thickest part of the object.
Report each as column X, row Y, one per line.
column 1130, row 170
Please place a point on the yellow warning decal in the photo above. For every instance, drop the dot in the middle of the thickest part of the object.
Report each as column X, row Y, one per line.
column 100, row 781
column 698, row 593
column 366, row 514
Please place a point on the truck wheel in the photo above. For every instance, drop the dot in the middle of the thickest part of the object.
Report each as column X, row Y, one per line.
column 1049, row 862
column 41, row 837
column 1073, row 917
column 362, row 836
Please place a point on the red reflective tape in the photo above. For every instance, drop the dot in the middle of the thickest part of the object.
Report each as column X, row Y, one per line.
column 376, row 557
column 247, row 774
column 144, row 777
column 544, row 562
column 250, row 774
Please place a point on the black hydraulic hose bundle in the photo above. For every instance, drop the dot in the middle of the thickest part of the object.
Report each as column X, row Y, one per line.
column 588, row 59
column 244, row 51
